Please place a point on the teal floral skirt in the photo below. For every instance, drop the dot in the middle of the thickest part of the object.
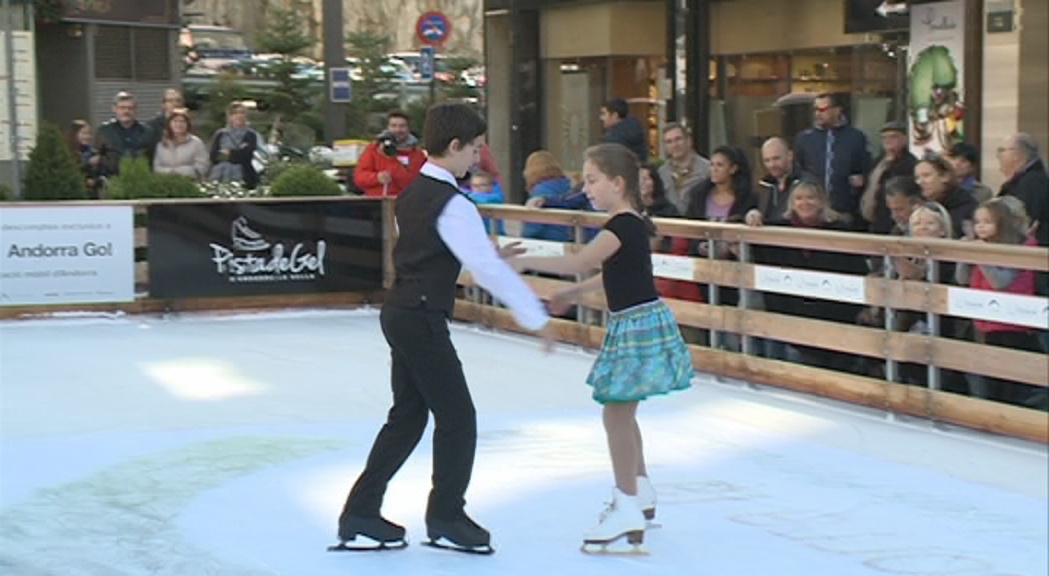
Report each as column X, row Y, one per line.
column 643, row 355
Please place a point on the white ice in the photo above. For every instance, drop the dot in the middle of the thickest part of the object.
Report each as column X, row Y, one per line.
column 204, row 445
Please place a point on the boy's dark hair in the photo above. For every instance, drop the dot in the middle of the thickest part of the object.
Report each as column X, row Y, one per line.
column 965, row 151
column 618, row 106
column 905, row 187
column 396, row 114
column 449, row 121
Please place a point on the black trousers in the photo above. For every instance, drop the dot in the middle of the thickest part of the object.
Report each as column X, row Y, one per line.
column 426, row 377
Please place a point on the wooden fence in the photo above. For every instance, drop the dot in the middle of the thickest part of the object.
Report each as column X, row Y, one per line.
column 893, row 347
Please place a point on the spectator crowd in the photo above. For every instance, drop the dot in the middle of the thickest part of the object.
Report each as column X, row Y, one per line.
column 825, row 179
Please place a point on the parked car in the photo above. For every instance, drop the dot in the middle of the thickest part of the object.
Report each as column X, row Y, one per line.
column 209, row 49
column 414, row 62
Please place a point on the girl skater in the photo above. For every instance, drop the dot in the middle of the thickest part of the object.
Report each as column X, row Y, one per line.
column 643, row 353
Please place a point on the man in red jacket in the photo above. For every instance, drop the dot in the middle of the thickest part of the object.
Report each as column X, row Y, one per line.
column 390, row 163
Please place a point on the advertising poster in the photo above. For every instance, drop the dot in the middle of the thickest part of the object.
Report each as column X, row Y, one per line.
column 253, row 249
column 66, row 255
column 936, row 64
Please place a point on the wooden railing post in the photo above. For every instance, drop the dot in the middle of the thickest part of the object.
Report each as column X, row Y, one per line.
column 932, row 276
column 389, row 238
column 891, row 367
column 713, row 293
column 746, row 296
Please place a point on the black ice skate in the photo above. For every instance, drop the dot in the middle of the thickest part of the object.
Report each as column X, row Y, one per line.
column 461, row 535
column 358, row 533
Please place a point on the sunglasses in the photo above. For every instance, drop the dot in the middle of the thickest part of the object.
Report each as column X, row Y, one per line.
column 821, row 108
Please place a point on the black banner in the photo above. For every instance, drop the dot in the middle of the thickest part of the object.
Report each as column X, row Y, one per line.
column 253, row 249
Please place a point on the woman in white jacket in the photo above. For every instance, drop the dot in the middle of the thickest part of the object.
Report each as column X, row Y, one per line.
column 179, row 151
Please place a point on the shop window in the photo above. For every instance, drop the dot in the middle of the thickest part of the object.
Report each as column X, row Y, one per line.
column 113, row 53
column 136, row 54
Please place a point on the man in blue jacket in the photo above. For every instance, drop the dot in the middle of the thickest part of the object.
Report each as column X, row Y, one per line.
column 835, row 154
column 621, row 128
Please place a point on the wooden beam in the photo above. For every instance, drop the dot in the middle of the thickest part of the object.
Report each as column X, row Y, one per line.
column 900, row 398
column 1025, row 257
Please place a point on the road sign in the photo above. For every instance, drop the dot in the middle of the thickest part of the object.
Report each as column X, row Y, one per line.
column 426, row 62
column 433, row 28
column 340, row 87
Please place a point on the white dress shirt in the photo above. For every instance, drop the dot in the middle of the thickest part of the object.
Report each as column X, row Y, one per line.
column 461, row 229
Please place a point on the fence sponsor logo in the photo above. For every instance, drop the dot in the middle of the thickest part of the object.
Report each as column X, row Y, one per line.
column 66, row 255
column 535, row 247
column 1016, row 309
column 673, row 267
column 810, row 284
column 252, row 258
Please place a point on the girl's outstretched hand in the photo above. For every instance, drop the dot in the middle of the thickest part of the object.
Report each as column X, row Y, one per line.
column 559, row 303
column 511, row 250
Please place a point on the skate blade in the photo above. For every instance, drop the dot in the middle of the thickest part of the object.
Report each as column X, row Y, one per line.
column 596, row 549
column 365, row 544
column 443, row 544
column 615, row 546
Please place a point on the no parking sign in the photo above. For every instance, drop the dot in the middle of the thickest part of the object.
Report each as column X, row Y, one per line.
column 433, row 28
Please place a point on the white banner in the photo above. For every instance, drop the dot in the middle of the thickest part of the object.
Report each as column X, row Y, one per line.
column 936, row 61
column 673, row 267
column 1001, row 307
column 66, row 255
column 809, row 284
column 535, row 247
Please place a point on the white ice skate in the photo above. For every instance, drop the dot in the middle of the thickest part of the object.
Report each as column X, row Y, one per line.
column 622, row 518
column 646, row 499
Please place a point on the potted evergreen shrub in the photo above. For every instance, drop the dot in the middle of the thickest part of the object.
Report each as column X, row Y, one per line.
column 304, row 180
column 53, row 172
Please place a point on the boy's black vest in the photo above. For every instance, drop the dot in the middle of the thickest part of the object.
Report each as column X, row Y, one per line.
column 426, row 270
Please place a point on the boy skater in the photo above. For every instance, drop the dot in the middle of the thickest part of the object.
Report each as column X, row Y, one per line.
column 440, row 231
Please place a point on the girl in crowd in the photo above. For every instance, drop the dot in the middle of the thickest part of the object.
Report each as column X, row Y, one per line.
column 995, row 222
column 79, row 139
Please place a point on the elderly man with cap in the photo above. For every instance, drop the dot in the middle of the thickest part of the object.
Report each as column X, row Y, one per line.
column 897, row 160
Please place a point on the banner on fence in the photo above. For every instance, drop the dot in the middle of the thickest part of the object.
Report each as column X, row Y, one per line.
column 254, row 249
column 535, row 247
column 1018, row 309
column 66, row 255
column 811, row 284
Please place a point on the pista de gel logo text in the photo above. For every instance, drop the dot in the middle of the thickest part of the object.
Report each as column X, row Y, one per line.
column 252, row 258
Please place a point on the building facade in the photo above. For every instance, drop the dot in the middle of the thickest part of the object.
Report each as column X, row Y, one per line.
column 740, row 71
column 87, row 54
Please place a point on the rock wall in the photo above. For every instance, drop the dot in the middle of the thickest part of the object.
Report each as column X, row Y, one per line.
column 396, row 17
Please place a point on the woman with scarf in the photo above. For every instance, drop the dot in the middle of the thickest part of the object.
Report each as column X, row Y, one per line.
column 233, row 148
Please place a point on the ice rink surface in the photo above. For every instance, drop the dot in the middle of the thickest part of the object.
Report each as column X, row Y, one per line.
column 204, row 445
